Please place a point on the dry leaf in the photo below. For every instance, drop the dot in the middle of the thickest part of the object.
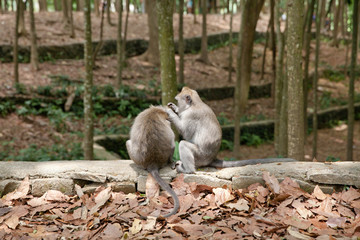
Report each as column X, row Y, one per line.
column 240, row 205
column 350, row 195
column 112, row 231
column 150, row 223
column 152, row 189
column 300, row 208
column 136, row 226
column 318, row 193
column 295, row 233
column 100, row 200
column 336, row 222
column 222, row 196
column 20, row 192
column 271, row 182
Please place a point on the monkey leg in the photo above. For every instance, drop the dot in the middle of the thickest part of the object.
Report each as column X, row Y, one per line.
column 187, row 152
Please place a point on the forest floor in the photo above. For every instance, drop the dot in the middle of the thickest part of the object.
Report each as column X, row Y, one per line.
column 19, row 132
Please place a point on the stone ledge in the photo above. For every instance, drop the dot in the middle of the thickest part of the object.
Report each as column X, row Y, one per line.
column 124, row 175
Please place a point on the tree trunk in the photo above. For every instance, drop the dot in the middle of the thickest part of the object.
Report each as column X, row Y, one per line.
column 22, row 28
column 108, row 12
column 273, row 47
column 57, row 5
column 336, row 24
column 88, row 105
column 34, row 52
column 71, row 20
column 231, row 42
column 181, row 42
column 119, row 48
column 279, row 82
column 152, row 53
column 307, row 60
column 264, row 52
column 194, row 10
column 295, row 81
column 123, row 55
column 351, row 114
column 16, row 40
column 96, row 7
column 167, row 51
column 250, row 13
column 315, row 79
column 43, row 6
column 99, row 45
column 204, row 52
column 65, row 11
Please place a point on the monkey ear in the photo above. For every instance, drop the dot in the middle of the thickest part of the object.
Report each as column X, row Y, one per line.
column 188, row 99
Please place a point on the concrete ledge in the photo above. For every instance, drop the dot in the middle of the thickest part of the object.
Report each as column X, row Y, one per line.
column 124, row 175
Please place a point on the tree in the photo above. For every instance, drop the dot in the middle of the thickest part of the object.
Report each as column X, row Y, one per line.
column 16, row 40
column 181, row 41
column 307, row 60
column 119, row 48
column 167, row 50
column 99, row 45
column 249, row 15
column 21, row 8
column 108, row 7
column 152, row 53
column 351, row 113
column 280, row 129
column 43, row 5
column 335, row 41
column 204, row 52
column 231, row 42
column 295, row 81
column 34, row 52
column 88, row 84
column 71, row 20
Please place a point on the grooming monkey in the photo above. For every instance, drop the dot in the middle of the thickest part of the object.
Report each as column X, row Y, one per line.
column 198, row 125
column 152, row 145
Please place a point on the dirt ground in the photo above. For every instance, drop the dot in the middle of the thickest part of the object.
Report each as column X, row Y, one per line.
column 37, row 129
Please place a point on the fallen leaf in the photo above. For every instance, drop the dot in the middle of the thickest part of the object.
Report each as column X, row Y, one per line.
column 350, row 195
column 185, row 203
column 12, row 222
column 222, row 196
column 295, row 233
column 300, row 208
column 136, row 226
column 355, row 204
column 240, row 205
column 4, row 211
column 296, row 222
column 152, row 188
column 100, row 200
column 318, row 193
column 20, row 192
column 271, row 182
column 150, row 223
column 336, row 222
column 112, row 231
column 345, row 212
column 54, row 195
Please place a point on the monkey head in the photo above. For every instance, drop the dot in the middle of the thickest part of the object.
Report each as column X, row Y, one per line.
column 186, row 98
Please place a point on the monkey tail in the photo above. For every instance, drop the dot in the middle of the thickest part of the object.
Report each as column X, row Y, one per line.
column 240, row 163
column 166, row 187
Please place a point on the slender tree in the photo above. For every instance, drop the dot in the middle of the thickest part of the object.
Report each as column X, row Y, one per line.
column 280, row 132
column 152, row 53
column 108, row 12
column 336, row 22
column 123, row 52
column 307, row 43
column 119, row 48
column 16, row 40
column 231, row 41
column 249, row 16
column 65, row 12
column 295, row 80
column 204, row 52
column 181, row 41
column 34, row 53
column 21, row 8
column 99, row 45
column 167, row 50
column 316, row 75
column 71, row 19
column 351, row 114
column 194, row 9
column 88, row 84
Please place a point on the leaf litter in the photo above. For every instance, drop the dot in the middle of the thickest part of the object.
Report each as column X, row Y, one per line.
column 275, row 210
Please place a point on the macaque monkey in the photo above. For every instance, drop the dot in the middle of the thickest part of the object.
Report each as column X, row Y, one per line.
column 152, row 144
column 198, row 125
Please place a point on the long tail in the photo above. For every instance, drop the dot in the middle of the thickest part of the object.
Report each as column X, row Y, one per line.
column 239, row 163
column 166, row 187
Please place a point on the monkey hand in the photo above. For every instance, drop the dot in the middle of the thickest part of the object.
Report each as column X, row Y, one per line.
column 173, row 107
column 175, row 164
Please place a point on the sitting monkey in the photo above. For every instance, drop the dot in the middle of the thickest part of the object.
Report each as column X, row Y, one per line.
column 198, row 125
column 152, row 144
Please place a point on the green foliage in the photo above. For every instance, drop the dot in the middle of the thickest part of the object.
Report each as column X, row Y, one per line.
column 249, row 118
column 176, row 155
column 6, row 107
column 326, row 100
column 251, row 139
column 33, row 153
column 20, row 88
column 108, row 91
column 44, row 90
column 334, row 75
column 223, row 120
column 332, row 159
column 226, row 145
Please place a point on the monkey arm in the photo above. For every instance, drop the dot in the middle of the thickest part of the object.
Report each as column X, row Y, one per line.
column 175, row 119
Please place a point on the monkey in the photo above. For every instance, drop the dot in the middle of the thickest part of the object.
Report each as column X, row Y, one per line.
column 202, row 134
column 152, row 144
